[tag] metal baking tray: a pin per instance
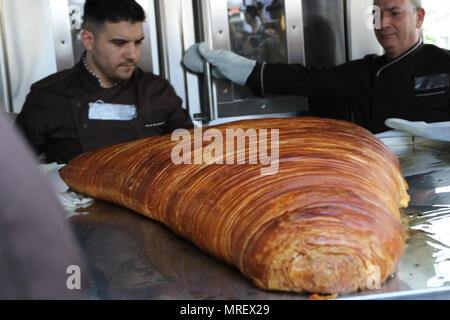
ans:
(132, 257)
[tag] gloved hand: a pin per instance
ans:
(434, 131)
(195, 62)
(224, 63)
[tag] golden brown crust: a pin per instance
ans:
(323, 223)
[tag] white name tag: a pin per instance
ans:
(106, 111)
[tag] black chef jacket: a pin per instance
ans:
(414, 87)
(55, 117)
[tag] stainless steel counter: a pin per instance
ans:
(132, 257)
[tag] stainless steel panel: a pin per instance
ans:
(133, 257)
(325, 39)
(324, 28)
(220, 39)
(208, 108)
(151, 33)
(76, 12)
(172, 23)
(62, 37)
(220, 32)
(361, 36)
(267, 106)
(255, 116)
(192, 85)
(294, 31)
(160, 14)
(172, 27)
(147, 61)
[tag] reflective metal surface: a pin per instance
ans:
(76, 13)
(149, 59)
(424, 270)
(221, 37)
(324, 29)
(133, 257)
(325, 37)
(62, 37)
(173, 25)
(361, 37)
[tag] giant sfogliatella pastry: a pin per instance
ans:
(326, 220)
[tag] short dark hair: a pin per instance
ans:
(97, 12)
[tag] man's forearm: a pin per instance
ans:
(255, 81)
(294, 79)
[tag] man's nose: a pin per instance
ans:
(385, 21)
(131, 52)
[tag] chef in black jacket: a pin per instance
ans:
(411, 81)
(104, 99)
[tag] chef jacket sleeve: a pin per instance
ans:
(296, 79)
(178, 118)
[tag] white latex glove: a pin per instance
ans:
(434, 131)
(224, 63)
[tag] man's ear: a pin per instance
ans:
(420, 17)
(87, 38)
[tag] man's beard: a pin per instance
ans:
(111, 73)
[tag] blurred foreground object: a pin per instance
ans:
(36, 242)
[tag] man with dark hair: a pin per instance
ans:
(411, 81)
(105, 98)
